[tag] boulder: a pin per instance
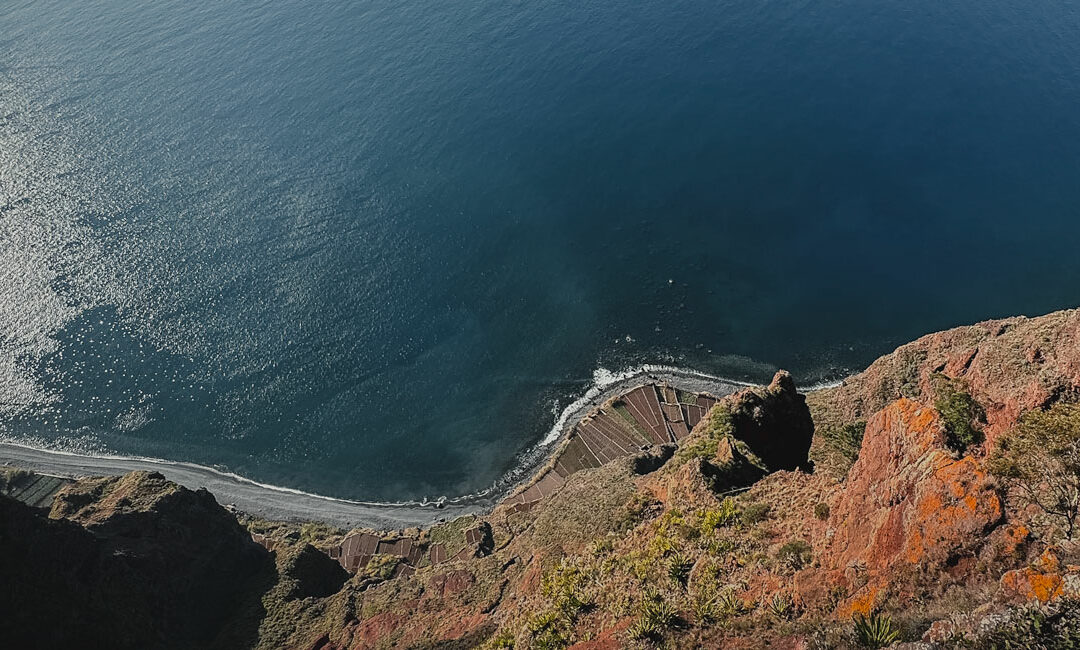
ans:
(907, 500)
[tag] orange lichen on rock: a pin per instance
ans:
(863, 602)
(1043, 581)
(907, 500)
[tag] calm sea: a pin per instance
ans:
(373, 248)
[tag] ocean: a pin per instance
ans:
(374, 249)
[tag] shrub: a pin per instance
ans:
(730, 605)
(502, 641)
(726, 515)
(795, 554)
(755, 513)
(875, 631)
(639, 508)
(601, 546)
(837, 593)
(382, 566)
(548, 631)
(564, 587)
(961, 415)
(1056, 625)
(16, 478)
(706, 610)
(821, 511)
(703, 444)
(1040, 459)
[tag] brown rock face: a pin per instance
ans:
(1011, 366)
(907, 500)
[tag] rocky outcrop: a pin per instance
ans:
(313, 573)
(729, 469)
(774, 422)
(690, 536)
(907, 500)
(1010, 366)
(131, 562)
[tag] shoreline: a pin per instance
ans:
(258, 499)
(289, 504)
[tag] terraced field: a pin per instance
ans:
(651, 414)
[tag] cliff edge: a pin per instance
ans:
(904, 506)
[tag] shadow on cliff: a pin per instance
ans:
(179, 574)
(775, 422)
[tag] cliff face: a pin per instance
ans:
(131, 562)
(774, 522)
(1010, 366)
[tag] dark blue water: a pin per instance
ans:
(372, 249)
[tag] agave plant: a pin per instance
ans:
(875, 631)
(657, 616)
(679, 567)
(782, 606)
(730, 604)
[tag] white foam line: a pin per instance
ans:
(604, 381)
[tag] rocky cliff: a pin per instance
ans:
(886, 510)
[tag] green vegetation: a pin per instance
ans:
(903, 380)
(686, 397)
(755, 513)
(654, 620)
(636, 510)
(679, 567)
(821, 511)
(703, 445)
(452, 534)
(564, 589)
(731, 605)
(961, 415)
(549, 631)
(1040, 460)
(781, 607)
(706, 610)
(842, 445)
(726, 515)
(564, 586)
(1032, 626)
(625, 414)
(13, 479)
(319, 534)
(794, 555)
(875, 631)
(382, 566)
(502, 641)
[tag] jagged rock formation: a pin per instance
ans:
(314, 573)
(1010, 366)
(775, 423)
(907, 500)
